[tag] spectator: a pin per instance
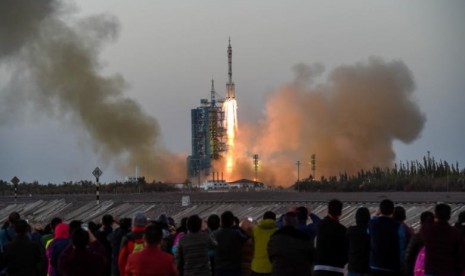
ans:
(102, 236)
(192, 253)
(151, 260)
(331, 248)
(460, 224)
(213, 224)
(85, 257)
(22, 256)
(386, 237)
(56, 247)
(230, 239)
(302, 217)
(290, 250)
(445, 253)
(416, 243)
(48, 237)
(400, 216)
(7, 233)
(115, 239)
(247, 248)
(180, 232)
(261, 234)
(358, 243)
(132, 242)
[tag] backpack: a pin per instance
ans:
(135, 245)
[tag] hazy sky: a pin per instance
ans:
(168, 51)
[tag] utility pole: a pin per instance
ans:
(298, 175)
(255, 163)
(313, 163)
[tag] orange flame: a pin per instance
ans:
(230, 111)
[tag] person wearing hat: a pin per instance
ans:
(132, 242)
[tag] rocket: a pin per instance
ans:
(230, 90)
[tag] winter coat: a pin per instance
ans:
(56, 247)
(445, 249)
(89, 261)
(151, 261)
(261, 235)
(290, 252)
(385, 241)
(358, 243)
(23, 257)
(228, 256)
(127, 247)
(331, 247)
(192, 254)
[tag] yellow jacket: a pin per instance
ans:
(261, 235)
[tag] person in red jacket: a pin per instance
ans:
(151, 261)
(132, 242)
(86, 256)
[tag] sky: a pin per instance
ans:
(168, 52)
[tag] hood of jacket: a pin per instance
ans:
(267, 224)
(61, 231)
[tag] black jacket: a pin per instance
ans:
(331, 247)
(23, 257)
(385, 248)
(290, 252)
(358, 242)
(228, 255)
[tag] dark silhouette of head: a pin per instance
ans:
(153, 234)
(399, 214)
(301, 213)
(21, 227)
(290, 219)
(194, 223)
(426, 217)
(442, 212)
(125, 223)
(335, 207)
(55, 221)
(386, 207)
(362, 216)
(183, 227)
(269, 215)
(107, 220)
(227, 219)
(73, 225)
(213, 222)
(80, 238)
(13, 218)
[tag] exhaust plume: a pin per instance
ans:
(349, 122)
(59, 61)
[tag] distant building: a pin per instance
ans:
(221, 184)
(248, 184)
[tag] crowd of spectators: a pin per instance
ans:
(295, 243)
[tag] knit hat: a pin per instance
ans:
(140, 219)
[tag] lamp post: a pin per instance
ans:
(255, 164)
(298, 175)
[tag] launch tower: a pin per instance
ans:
(207, 135)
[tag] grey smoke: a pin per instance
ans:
(54, 65)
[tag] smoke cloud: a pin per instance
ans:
(54, 65)
(349, 122)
